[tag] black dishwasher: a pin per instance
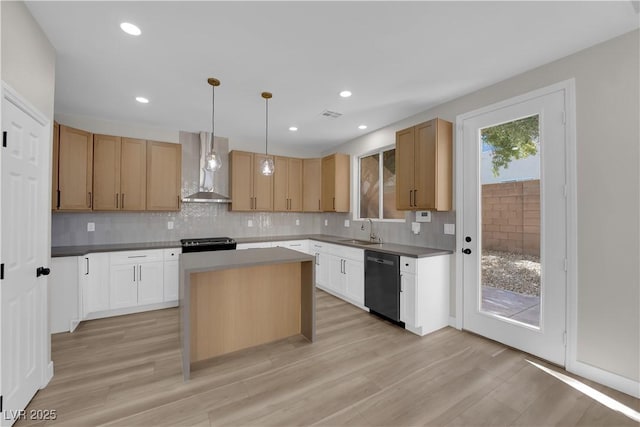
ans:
(382, 284)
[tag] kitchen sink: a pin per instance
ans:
(359, 242)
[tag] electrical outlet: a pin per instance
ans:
(346, 223)
(449, 229)
(297, 222)
(91, 226)
(250, 223)
(326, 222)
(170, 225)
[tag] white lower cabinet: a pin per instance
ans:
(408, 298)
(340, 270)
(150, 282)
(93, 278)
(63, 295)
(424, 296)
(354, 283)
(123, 286)
(137, 278)
(171, 274)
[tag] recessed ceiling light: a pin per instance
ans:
(293, 128)
(345, 93)
(362, 127)
(142, 100)
(130, 29)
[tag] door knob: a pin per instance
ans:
(467, 239)
(42, 271)
(466, 251)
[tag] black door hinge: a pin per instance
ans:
(4, 138)
(1, 278)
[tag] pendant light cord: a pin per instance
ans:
(266, 133)
(213, 111)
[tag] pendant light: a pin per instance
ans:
(213, 162)
(266, 166)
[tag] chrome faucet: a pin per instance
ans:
(372, 235)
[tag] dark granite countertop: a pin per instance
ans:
(392, 248)
(62, 251)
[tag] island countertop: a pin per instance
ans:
(195, 262)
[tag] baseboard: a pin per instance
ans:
(606, 378)
(452, 322)
(130, 310)
(48, 375)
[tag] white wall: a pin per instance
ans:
(608, 156)
(28, 59)
(107, 127)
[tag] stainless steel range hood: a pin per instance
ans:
(206, 193)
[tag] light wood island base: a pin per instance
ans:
(232, 300)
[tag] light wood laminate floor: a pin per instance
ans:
(361, 371)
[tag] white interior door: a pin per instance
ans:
(24, 229)
(514, 225)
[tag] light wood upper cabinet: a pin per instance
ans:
(336, 183)
(287, 184)
(164, 176)
(119, 173)
(311, 185)
(424, 166)
(106, 172)
(133, 174)
(75, 169)
(250, 190)
(54, 166)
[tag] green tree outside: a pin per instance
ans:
(512, 140)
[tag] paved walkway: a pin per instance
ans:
(520, 307)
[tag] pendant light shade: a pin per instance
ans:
(266, 166)
(213, 162)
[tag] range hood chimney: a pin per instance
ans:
(206, 193)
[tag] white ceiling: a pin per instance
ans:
(398, 59)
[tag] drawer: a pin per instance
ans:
(352, 253)
(172, 254)
(130, 257)
(296, 245)
(253, 245)
(315, 246)
(408, 265)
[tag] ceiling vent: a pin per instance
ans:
(331, 114)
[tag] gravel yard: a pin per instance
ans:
(512, 272)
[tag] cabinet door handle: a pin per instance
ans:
(415, 198)
(319, 208)
(134, 273)
(117, 200)
(410, 197)
(90, 200)
(178, 201)
(400, 282)
(122, 201)
(334, 203)
(344, 269)
(87, 273)
(140, 272)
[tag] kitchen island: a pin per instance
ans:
(231, 300)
